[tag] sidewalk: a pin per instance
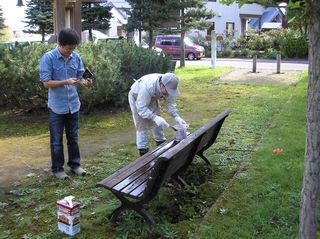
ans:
(290, 70)
(296, 65)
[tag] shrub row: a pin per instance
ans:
(247, 53)
(265, 45)
(113, 64)
(288, 42)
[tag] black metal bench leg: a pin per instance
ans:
(114, 216)
(146, 215)
(181, 181)
(204, 158)
(135, 206)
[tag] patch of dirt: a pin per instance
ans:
(261, 77)
(23, 155)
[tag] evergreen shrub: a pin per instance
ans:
(294, 47)
(113, 64)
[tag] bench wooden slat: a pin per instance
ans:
(125, 172)
(138, 192)
(181, 155)
(135, 184)
(134, 176)
(211, 130)
(134, 179)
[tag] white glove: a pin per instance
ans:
(181, 121)
(161, 122)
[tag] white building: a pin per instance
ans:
(232, 20)
(119, 18)
(229, 20)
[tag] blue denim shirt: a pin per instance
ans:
(62, 99)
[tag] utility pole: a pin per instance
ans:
(213, 49)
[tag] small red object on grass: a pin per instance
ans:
(278, 150)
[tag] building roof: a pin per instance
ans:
(120, 4)
(271, 25)
(94, 1)
(270, 15)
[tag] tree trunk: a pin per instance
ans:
(140, 28)
(43, 34)
(182, 48)
(309, 194)
(90, 35)
(150, 38)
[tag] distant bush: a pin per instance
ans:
(114, 66)
(296, 47)
(267, 45)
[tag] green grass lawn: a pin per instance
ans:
(251, 193)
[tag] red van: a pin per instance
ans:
(170, 45)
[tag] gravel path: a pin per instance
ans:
(261, 77)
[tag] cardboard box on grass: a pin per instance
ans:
(68, 212)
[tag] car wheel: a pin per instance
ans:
(191, 56)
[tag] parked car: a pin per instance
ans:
(144, 44)
(115, 39)
(98, 37)
(170, 44)
(22, 42)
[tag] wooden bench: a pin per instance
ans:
(139, 182)
(211, 131)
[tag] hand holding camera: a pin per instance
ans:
(86, 80)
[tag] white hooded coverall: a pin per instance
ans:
(144, 98)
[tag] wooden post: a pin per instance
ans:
(60, 19)
(254, 65)
(278, 63)
(67, 13)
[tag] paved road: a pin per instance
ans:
(247, 63)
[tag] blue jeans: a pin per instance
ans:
(57, 124)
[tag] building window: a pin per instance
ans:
(120, 31)
(230, 29)
(166, 42)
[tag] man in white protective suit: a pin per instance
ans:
(144, 98)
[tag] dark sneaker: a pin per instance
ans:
(79, 171)
(61, 175)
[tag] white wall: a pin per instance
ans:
(231, 13)
(116, 20)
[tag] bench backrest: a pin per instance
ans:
(211, 131)
(177, 158)
(172, 162)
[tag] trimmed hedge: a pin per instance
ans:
(113, 64)
(267, 45)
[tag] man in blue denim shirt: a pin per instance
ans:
(61, 71)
